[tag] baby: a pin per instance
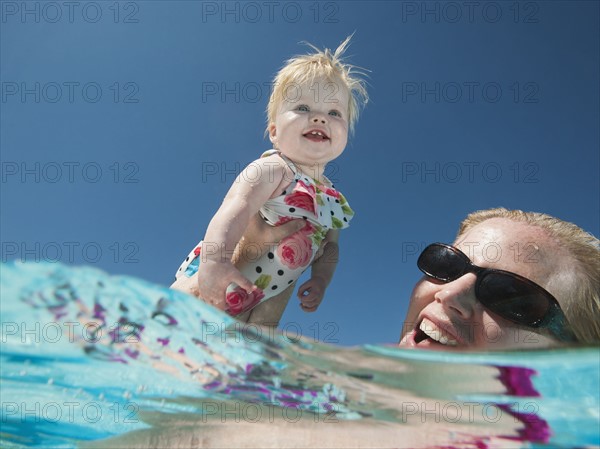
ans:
(314, 102)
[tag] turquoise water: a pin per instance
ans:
(92, 360)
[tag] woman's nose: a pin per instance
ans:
(458, 296)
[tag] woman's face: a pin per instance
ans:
(448, 315)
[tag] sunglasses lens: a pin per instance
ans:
(512, 298)
(506, 294)
(442, 263)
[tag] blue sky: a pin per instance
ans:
(123, 125)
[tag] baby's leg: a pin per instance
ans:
(269, 312)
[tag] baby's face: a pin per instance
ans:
(311, 125)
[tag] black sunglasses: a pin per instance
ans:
(513, 297)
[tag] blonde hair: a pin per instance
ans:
(583, 310)
(303, 69)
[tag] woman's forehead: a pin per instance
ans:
(505, 241)
(521, 248)
(516, 247)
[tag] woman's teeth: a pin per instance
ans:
(435, 333)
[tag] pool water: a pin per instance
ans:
(92, 360)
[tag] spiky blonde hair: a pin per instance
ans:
(304, 69)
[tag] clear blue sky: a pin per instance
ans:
(123, 125)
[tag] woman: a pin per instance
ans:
(547, 293)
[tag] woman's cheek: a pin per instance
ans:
(421, 295)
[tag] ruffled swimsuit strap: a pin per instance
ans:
(297, 173)
(290, 164)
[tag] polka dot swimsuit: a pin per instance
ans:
(322, 207)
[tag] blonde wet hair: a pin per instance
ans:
(583, 307)
(304, 69)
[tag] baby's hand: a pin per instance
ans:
(214, 278)
(311, 294)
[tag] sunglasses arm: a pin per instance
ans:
(561, 329)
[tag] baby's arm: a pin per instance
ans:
(312, 291)
(251, 189)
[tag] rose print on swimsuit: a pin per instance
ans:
(303, 187)
(296, 251)
(302, 197)
(319, 233)
(239, 300)
(328, 191)
(283, 220)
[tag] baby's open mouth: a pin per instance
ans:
(317, 136)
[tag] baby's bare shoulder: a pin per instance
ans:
(271, 169)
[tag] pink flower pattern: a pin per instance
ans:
(296, 250)
(331, 192)
(283, 220)
(239, 300)
(301, 200)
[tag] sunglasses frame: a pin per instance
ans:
(554, 320)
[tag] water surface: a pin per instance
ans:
(92, 360)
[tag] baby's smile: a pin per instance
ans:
(316, 135)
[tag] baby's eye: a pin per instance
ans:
(335, 113)
(303, 108)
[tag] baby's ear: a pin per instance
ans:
(272, 132)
